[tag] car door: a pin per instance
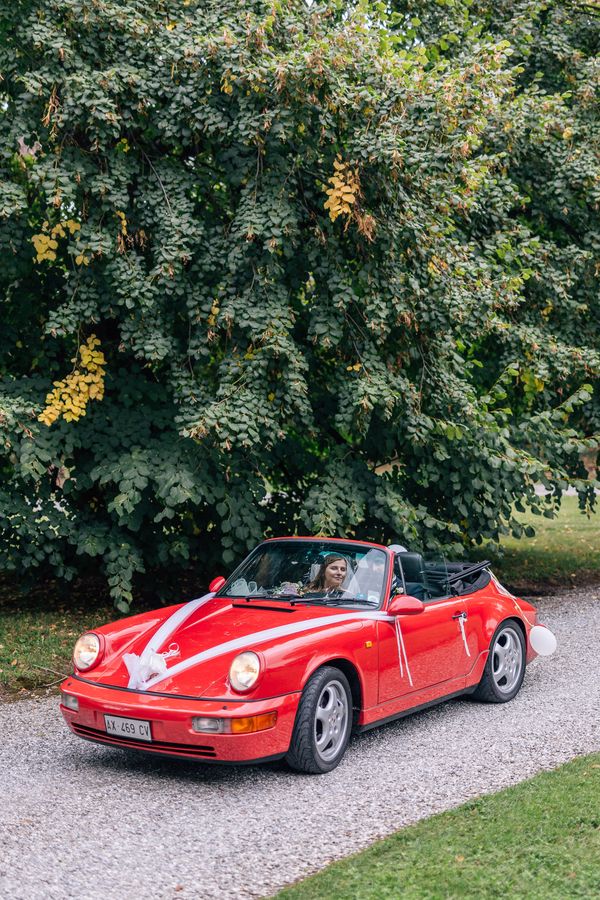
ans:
(423, 650)
(417, 652)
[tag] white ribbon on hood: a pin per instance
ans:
(258, 637)
(150, 667)
(150, 662)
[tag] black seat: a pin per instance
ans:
(413, 570)
(412, 566)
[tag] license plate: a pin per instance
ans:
(131, 728)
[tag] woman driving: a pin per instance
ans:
(330, 577)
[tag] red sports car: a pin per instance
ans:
(308, 639)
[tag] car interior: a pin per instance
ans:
(434, 580)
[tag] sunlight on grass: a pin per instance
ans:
(539, 839)
(565, 551)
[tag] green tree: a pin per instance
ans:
(551, 141)
(270, 267)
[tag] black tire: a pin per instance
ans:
(304, 754)
(490, 689)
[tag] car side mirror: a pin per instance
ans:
(404, 605)
(216, 584)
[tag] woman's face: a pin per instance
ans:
(335, 574)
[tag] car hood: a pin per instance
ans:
(203, 646)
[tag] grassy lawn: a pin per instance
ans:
(37, 633)
(540, 839)
(39, 627)
(36, 646)
(565, 552)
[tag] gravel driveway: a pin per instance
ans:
(83, 821)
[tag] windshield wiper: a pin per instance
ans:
(332, 601)
(340, 601)
(309, 601)
(287, 597)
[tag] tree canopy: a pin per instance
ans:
(277, 267)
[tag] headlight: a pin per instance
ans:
(244, 671)
(87, 651)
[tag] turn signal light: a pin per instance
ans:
(250, 724)
(245, 725)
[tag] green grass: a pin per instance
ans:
(565, 552)
(39, 626)
(36, 643)
(540, 839)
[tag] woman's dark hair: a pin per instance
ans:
(318, 582)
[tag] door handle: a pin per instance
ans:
(460, 615)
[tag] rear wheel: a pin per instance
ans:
(505, 667)
(323, 723)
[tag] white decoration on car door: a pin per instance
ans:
(461, 624)
(402, 652)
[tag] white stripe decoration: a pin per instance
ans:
(500, 588)
(150, 662)
(150, 667)
(461, 625)
(402, 652)
(260, 637)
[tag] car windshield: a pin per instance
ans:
(302, 571)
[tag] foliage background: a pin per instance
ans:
(405, 370)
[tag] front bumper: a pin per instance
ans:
(171, 723)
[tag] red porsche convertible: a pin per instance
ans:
(309, 639)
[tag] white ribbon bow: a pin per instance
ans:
(150, 662)
(142, 668)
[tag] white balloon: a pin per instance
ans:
(542, 640)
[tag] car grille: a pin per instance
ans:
(189, 750)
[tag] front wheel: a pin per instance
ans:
(323, 723)
(505, 666)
